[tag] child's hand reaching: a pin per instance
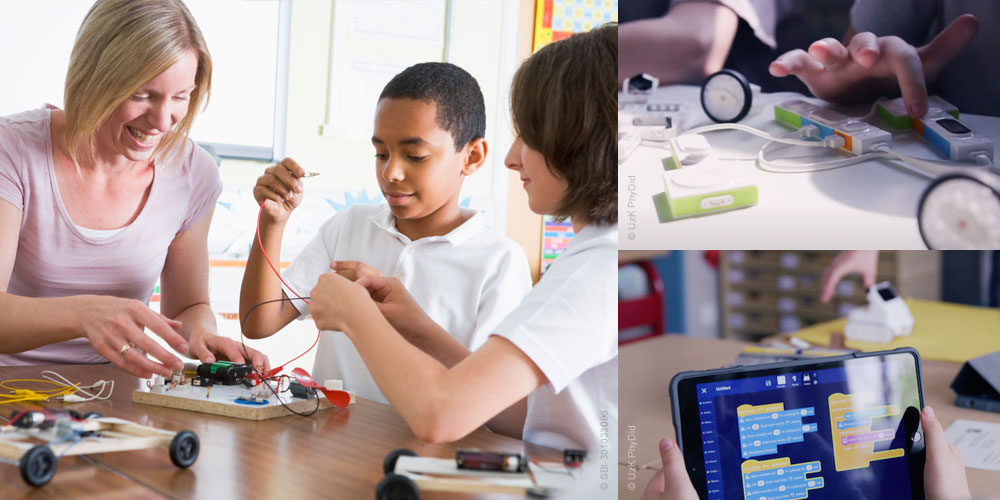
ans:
(336, 300)
(395, 303)
(863, 262)
(279, 190)
(871, 66)
(354, 270)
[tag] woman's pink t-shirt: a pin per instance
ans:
(54, 260)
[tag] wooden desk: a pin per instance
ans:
(332, 454)
(645, 370)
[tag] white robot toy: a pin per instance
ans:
(883, 319)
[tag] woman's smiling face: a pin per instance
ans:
(139, 124)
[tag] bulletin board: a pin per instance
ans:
(558, 19)
(555, 238)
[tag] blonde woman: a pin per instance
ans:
(99, 200)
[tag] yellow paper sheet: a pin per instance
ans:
(941, 331)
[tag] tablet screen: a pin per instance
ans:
(829, 430)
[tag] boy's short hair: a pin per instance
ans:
(460, 106)
(563, 104)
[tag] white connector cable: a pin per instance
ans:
(934, 169)
(761, 133)
(799, 168)
(99, 386)
(927, 168)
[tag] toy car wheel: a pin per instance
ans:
(184, 449)
(38, 465)
(91, 414)
(397, 487)
(389, 464)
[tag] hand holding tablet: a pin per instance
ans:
(840, 427)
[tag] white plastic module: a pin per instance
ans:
(884, 318)
(859, 137)
(696, 183)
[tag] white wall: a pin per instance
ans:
(701, 296)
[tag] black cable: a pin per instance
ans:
(276, 396)
(260, 374)
(247, 315)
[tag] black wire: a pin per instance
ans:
(565, 469)
(276, 396)
(260, 374)
(283, 299)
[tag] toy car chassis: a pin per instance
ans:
(34, 440)
(406, 474)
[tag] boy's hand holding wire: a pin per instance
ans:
(279, 191)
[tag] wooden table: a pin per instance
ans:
(645, 370)
(332, 454)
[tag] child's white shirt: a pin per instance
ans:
(567, 325)
(467, 281)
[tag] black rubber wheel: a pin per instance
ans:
(74, 414)
(91, 414)
(184, 449)
(38, 465)
(389, 464)
(396, 487)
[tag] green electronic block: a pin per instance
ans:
(696, 183)
(893, 112)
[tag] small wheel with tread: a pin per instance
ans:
(389, 464)
(38, 465)
(396, 487)
(184, 449)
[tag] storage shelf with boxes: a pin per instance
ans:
(763, 293)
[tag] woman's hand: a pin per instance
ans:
(209, 347)
(872, 66)
(335, 299)
(116, 326)
(279, 190)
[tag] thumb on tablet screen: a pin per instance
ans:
(672, 482)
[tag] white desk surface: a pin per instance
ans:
(869, 205)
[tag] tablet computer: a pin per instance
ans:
(827, 428)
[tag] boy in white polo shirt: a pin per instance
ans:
(428, 135)
(559, 347)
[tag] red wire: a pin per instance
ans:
(290, 289)
(268, 259)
